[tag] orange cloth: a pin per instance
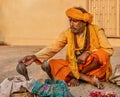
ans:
(60, 68)
(79, 15)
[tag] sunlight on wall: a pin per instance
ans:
(34, 22)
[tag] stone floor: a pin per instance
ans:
(9, 56)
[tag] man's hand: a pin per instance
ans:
(28, 60)
(83, 57)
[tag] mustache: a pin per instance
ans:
(73, 28)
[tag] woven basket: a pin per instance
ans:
(22, 93)
(27, 94)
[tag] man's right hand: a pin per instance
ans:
(28, 60)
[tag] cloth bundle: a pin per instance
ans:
(115, 78)
(14, 85)
(19, 87)
(48, 89)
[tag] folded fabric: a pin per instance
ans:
(13, 84)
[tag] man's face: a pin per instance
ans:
(77, 26)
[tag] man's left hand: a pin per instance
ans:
(83, 57)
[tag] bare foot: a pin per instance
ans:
(73, 82)
(97, 83)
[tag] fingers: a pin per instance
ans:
(80, 62)
(24, 59)
(27, 60)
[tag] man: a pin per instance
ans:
(88, 51)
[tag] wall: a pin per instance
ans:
(107, 15)
(34, 22)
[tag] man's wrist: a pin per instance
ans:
(34, 58)
(89, 52)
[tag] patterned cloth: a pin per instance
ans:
(48, 89)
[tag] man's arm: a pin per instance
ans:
(104, 43)
(45, 53)
(51, 50)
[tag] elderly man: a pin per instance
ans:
(88, 51)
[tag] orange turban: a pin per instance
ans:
(79, 15)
